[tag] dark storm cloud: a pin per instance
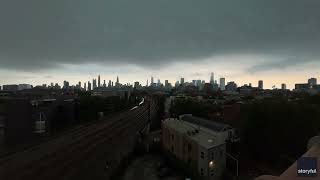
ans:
(37, 34)
(280, 64)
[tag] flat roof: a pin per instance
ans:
(215, 126)
(204, 136)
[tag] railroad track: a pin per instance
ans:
(60, 157)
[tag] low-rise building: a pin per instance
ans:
(199, 147)
(24, 86)
(223, 131)
(10, 87)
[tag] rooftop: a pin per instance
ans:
(203, 136)
(214, 126)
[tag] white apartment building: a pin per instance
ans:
(197, 146)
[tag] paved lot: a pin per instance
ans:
(145, 168)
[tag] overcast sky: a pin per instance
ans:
(43, 41)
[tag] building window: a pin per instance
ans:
(201, 171)
(202, 155)
(212, 156)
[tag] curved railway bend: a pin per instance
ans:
(89, 152)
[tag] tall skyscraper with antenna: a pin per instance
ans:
(117, 82)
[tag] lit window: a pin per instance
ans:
(211, 164)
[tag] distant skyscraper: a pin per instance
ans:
(136, 84)
(198, 83)
(312, 81)
(85, 86)
(147, 82)
(56, 86)
(94, 84)
(65, 84)
(166, 83)
(109, 83)
(222, 84)
(89, 86)
(159, 83)
(104, 83)
(212, 78)
(194, 82)
(79, 84)
(152, 80)
(182, 81)
(283, 86)
(177, 84)
(99, 81)
(260, 84)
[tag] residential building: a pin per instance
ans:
(199, 147)
(224, 131)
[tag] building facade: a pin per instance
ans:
(222, 84)
(198, 147)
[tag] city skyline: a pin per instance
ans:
(243, 41)
(221, 82)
